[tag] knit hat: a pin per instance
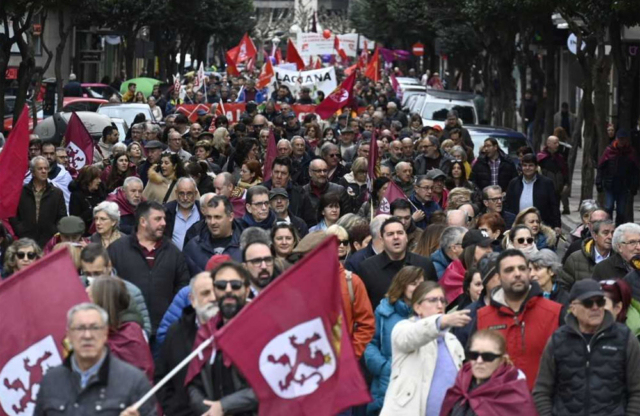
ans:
(217, 260)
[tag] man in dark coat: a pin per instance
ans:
(320, 185)
(534, 190)
(376, 246)
(72, 88)
(626, 244)
(494, 168)
(151, 261)
(378, 271)
(183, 212)
(178, 344)
(554, 166)
(281, 178)
(41, 205)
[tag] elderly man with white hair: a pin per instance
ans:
(393, 114)
(457, 218)
(183, 212)
(284, 148)
(626, 245)
(331, 155)
(404, 177)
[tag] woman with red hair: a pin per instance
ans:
(621, 304)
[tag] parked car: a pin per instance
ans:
(71, 104)
(122, 127)
(52, 129)
(127, 111)
(509, 140)
(410, 91)
(9, 107)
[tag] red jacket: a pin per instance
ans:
(527, 331)
(130, 345)
(502, 394)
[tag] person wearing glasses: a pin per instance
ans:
(488, 384)
(331, 155)
(344, 248)
(520, 238)
(260, 262)
(183, 212)
(589, 365)
(543, 235)
(422, 202)
(258, 210)
(519, 311)
(92, 376)
(20, 254)
(319, 185)
(426, 357)
(232, 394)
(492, 199)
(626, 246)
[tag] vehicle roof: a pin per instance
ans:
(128, 105)
(407, 80)
(453, 95)
(93, 84)
(494, 131)
(69, 100)
(430, 99)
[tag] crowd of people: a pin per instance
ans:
(456, 301)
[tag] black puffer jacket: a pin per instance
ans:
(481, 172)
(599, 377)
(82, 202)
(158, 284)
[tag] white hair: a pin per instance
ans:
(188, 179)
(130, 180)
(205, 197)
(87, 306)
(619, 233)
(32, 162)
(376, 223)
(109, 208)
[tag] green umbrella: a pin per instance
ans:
(144, 85)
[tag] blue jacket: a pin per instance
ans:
(377, 355)
(429, 208)
(199, 249)
(173, 313)
(353, 262)
(440, 262)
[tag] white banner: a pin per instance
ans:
(316, 44)
(318, 79)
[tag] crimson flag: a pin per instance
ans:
(246, 49)
(278, 56)
(339, 98)
(392, 193)
(394, 83)
(266, 75)
(14, 162)
(364, 57)
(230, 58)
(292, 344)
(336, 46)
(373, 68)
(33, 317)
(318, 64)
(271, 154)
(293, 56)
(205, 332)
(79, 143)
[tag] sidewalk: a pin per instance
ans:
(571, 221)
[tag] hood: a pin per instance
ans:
(587, 247)
(400, 307)
(452, 280)
(350, 178)
(549, 234)
(498, 299)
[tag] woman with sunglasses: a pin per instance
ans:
(619, 301)
(284, 238)
(20, 254)
(521, 238)
(426, 358)
(344, 248)
(544, 236)
(545, 267)
(395, 307)
(488, 384)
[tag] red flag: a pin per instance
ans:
(364, 57)
(339, 98)
(310, 62)
(230, 58)
(336, 46)
(14, 162)
(79, 143)
(392, 193)
(251, 65)
(33, 318)
(292, 345)
(271, 154)
(278, 56)
(205, 332)
(373, 68)
(394, 83)
(266, 75)
(246, 49)
(293, 56)
(318, 64)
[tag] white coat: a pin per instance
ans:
(414, 349)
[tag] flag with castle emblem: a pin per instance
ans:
(33, 318)
(392, 193)
(79, 143)
(292, 344)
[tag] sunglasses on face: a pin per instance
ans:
(30, 255)
(588, 303)
(344, 243)
(522, 240)
(486, 356)
(222, 284)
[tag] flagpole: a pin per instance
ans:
(172, 373)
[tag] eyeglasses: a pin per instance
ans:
(258, 261)
(494, 200)
(261, 204)
(186, 194)
(82, 329)
(333, 155)
(522, 240)
(426, 188)
(486, 356)
(632, 243)
(344, 243)
(588, 303)
(222, 284)
(435, 300)
(30, 255)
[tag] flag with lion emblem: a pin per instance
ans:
(292, 345)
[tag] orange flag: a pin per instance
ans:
(293, 56)
(373, 67)
(266, 75)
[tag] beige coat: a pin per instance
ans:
(414, 349)
(157, 187)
